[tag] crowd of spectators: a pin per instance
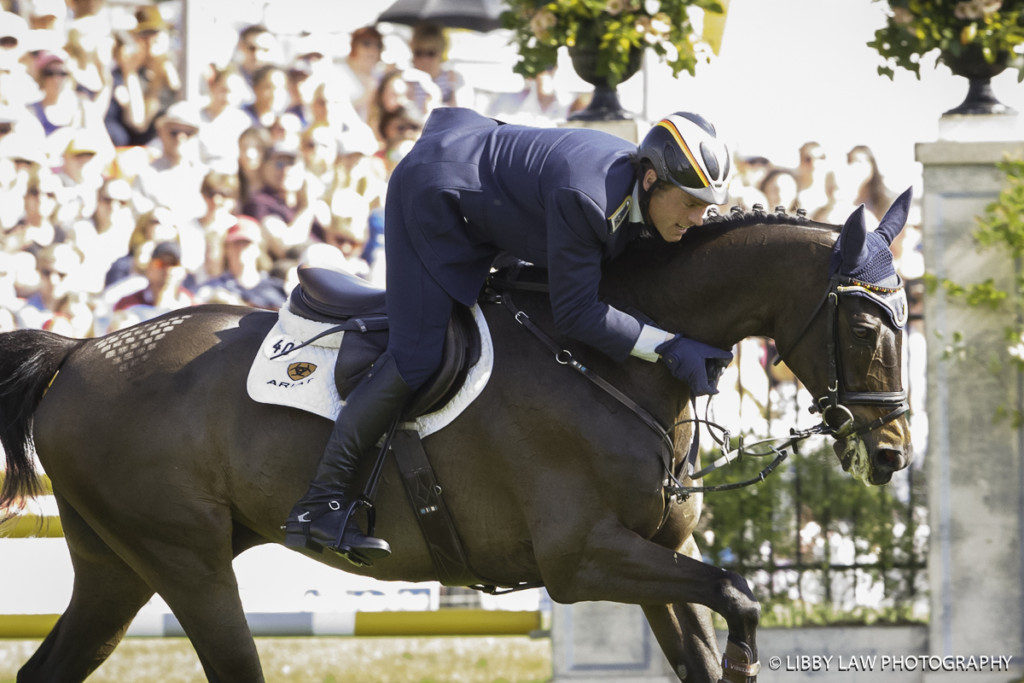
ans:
(122, 199)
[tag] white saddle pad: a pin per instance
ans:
(304, 378)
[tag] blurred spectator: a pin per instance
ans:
(270, 89)
(399, 130)
(396, 91)
(429, 46)
(174, 178)
(319, 148)
(360, 169)
(815, 181)
(298, 91)
(362, 70)
(80, 175)
(780, 188)
(537, 104)
(253, 144)
(59, 111)
(92, 81)
(165, 277)
(104, 236)
(281, 206)
(220, 193)
(47, 15)
(36, 230)
(257, 47)
(349, 231)
(151, 227)
(144, 79)
(221, 121)
(745, 188)
(17, 86)
(56, 265)
(862, 180)
(331, 107)
(244, 279)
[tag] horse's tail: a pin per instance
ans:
(29, 359)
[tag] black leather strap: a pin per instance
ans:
(425, 494)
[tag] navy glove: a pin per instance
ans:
(697, 364)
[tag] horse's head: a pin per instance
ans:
(855, 371)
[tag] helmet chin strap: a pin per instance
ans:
(644, 201)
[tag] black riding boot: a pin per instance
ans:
(317, 517)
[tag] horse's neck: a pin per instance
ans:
(733, 283)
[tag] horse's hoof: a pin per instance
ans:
(736, 664)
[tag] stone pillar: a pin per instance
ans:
(602, 642)
(975, 465)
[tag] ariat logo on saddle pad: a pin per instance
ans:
(301, 370)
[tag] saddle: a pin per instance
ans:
(329, 296)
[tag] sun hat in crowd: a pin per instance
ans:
(84, 141)
(148, 18)
(245, 230)
(167, 251)
(183, 113)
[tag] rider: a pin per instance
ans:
(570, 199)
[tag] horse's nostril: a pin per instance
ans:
(889, 458)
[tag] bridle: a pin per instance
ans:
(837, 419)
(835, 415)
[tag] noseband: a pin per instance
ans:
(835, 414)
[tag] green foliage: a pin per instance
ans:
(957, 29)
(617, 27)
(793, 518)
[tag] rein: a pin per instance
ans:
(831, 406)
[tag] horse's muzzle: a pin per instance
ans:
(887, 460)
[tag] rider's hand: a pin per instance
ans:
(697, 364)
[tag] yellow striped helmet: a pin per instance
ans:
(684, 150)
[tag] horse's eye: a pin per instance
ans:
(862, 330)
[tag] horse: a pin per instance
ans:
(163, 470)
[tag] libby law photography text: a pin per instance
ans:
(825, 663)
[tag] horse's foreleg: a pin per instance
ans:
(106, 595)
(618, 565)
(686, 634)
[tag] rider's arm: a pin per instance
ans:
(574, 223)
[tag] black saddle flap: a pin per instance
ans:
(333, 294)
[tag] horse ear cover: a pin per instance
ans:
(896, 217)
(852, 241)
(864, 255)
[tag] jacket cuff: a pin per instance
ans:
(650, 338)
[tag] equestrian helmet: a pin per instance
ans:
(684, 150)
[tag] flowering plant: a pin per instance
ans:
(616, 28)
(961, 30)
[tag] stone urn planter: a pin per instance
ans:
(605, 105)
(978, 71)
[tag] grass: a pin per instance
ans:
(325, 660)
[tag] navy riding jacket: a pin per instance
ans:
(555, 197)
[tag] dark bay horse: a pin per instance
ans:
(163, 470)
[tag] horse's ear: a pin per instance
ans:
(896, 217)
(852, 240)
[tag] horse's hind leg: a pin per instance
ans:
(686, 634)
(194, 576)
(106, 595)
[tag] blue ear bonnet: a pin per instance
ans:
(865, 258)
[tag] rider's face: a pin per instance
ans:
(672, 211)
